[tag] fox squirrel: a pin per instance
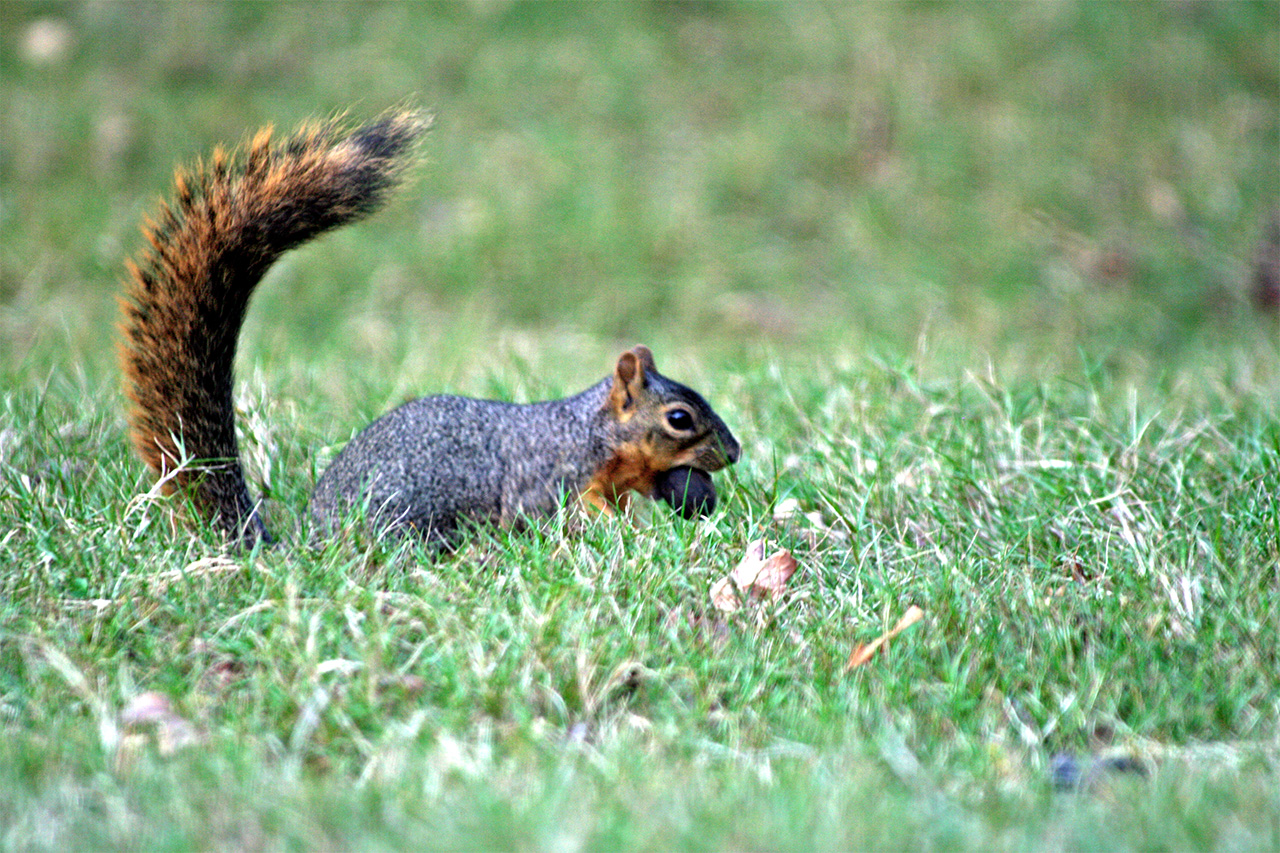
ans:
(426, 466)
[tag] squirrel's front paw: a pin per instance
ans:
(686, 490)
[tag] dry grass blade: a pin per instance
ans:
(864, 652)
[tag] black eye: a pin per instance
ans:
(680, 420)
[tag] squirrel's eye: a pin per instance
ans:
(680, 419)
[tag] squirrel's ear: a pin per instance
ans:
(628, 377)
(645, 355)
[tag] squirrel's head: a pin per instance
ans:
(661, 425)
(669, 423)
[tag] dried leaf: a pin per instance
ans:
(153, 711)
(756, 577)
(175, 733)
(864, 652)
(787, 509)
(127, 751)
(145, 709)
(724, 596)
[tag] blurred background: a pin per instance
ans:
(1032, 185)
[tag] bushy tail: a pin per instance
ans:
(186, 295)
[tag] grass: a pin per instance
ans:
(970, 283)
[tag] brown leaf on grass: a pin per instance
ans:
(146, 709)
(864, 652)
(756, 577)
(153, 711)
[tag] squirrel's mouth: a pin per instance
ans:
(716, 454)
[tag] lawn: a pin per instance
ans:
(974, 284)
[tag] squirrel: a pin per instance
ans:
(430, 466)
